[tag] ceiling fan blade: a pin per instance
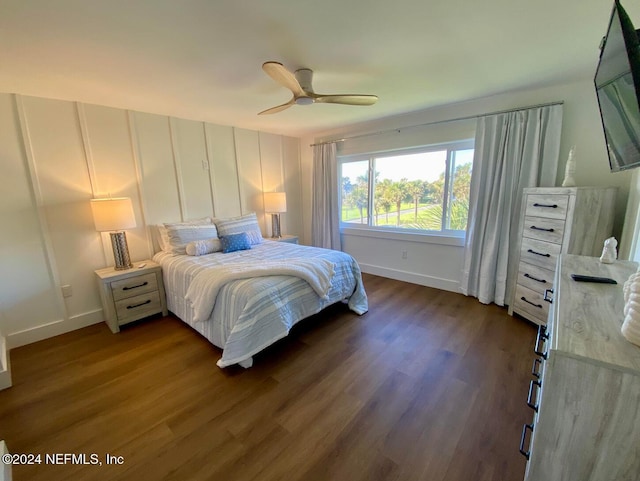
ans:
(277, 72)
(279, 108)
(346, 99)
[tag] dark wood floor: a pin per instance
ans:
(429, 385)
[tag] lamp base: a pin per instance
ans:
(275, 226)
(120, 251)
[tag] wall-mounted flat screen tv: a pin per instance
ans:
(617, 82)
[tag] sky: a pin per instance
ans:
(423, 166)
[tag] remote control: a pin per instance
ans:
(599, 280)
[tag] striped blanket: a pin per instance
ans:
(249, 314)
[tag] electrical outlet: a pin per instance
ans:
(205, 165)
(66, 290)
(404, 254)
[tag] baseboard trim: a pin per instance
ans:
(52, 329)
(420, 279)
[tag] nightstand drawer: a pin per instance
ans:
(138, 307)
(134, 286)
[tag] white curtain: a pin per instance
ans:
(513, 150)
(325, 221)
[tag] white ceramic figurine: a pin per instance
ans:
(609, 252)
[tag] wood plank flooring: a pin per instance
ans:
(428, 385)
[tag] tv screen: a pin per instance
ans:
(617, 84)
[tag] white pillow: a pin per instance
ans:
(245, 223)
(181, 235)
(202, 247)
(163, 236)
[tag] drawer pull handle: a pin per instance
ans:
(538, 253)
(541, 339)
(148, 301)
(542, 332)
(541, 228)
(532, 303)
(547, 295)
(537, 365)
(550, 206)
(128, 288)
(543, 281)
(527, 453)
(530, 403)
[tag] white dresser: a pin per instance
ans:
(586, 388)
(554, 220)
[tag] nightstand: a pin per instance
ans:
(132, 294)
(291, 239)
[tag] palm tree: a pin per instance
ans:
(416, 189)
(398, 194)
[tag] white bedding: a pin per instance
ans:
(249, 314)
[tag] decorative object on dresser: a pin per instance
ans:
(609, 251)
(631, 325)
(570, 169)
(555, 220)
(131, 295)
(586, 391)
(113, 216)
(275, 203)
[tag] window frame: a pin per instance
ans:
(442, 236)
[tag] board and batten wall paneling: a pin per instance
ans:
(190, 153)
(223, 170)
(157, 171)
(272, 168)
(250, 173)
(113, 173)
(60, 154)
(28, 294)
(292, 221)
(64, 186)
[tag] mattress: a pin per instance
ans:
(251, 314)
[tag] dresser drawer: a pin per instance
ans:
(137, 307)
(548, 230)
(534, 277)
(531, 304)
(539, 253)
(134, 286)
(549, 206)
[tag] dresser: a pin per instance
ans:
(131, 294)
(554, 220)
(585, 387)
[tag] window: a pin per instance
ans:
(423, 189)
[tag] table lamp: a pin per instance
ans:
(275, 203)
(113, 215)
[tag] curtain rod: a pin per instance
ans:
(468, 117)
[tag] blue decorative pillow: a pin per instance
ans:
(235, 242)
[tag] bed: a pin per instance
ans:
(251, 310)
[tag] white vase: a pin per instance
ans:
(570, 169)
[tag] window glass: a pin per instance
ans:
(424, 189)
(355, 192)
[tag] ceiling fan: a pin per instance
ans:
(300, 85)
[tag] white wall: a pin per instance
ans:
(57, 155)
(440, 265)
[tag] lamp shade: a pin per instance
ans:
(275, 202)
(113, 214)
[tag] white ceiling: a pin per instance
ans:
(201, 59)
